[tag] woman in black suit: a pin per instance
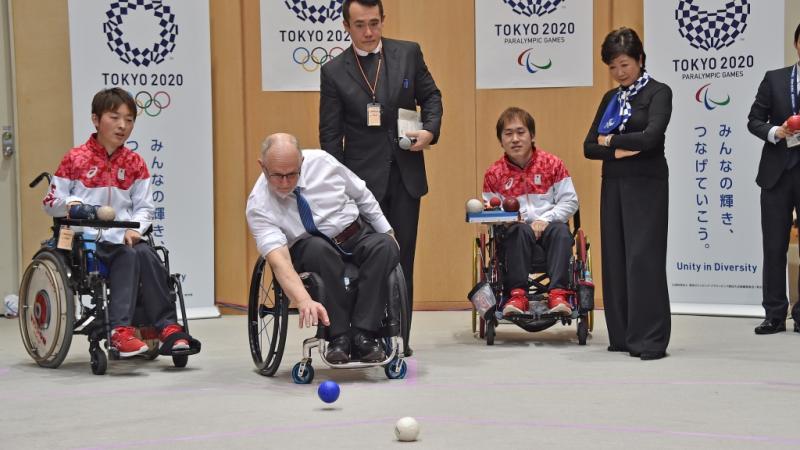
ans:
(627, 134)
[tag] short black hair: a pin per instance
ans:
(622, 41)
(367, 3)
(111, 99)
(512, 113)
(796, 34)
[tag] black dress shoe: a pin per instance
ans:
(367, 347)
(769, 326)
(339, 350)
(649, 356)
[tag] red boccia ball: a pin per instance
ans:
(494, 202)
(793, 122)
(511, 204)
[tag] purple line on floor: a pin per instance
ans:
(451, 420)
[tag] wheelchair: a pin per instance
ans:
(269, 309)
(64, 292)
(489, 263)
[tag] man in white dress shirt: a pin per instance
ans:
(348, 225)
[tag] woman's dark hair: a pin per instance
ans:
(515, 113)
(623, 41)
(109, 100)
(367, 3)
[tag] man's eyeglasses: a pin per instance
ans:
(284, 176)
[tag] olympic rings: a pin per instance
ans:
(154, 104)
(314, 59)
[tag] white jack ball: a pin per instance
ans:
(406, 429)
(106, 213)
(474, 205)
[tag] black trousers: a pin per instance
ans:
(776, 222)
(402, 212)
(375, 255)
(136, 277)
(633, 228)
(519, 244)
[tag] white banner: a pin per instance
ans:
(159, 51)
(713, 54)
(297, 38)
(533, 43)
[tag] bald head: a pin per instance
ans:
(279, 144)
(280, 161)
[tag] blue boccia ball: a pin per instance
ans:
(328, 391)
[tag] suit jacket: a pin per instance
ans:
(368, 151)
(771, 108)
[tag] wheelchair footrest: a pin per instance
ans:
(166, 346)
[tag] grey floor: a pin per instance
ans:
(720, 387)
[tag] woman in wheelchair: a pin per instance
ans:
(103, 171)
(309, 213)
(539, 181)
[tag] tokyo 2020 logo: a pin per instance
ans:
(319, 11)
(712, 29)
(164, 41)
(532, 8)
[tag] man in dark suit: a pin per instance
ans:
(360, 93)
(779, 179)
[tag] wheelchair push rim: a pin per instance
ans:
(47, 310)
(267, 317)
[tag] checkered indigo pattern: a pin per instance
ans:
(530, 8)
(625, 97)
(314, 13)
(134, 55)
(712, 29)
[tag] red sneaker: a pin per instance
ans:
(123, 339)
(517, 304)
(180, 344)
(557, 302)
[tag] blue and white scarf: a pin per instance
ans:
(618, 110)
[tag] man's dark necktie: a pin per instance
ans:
(307, 218)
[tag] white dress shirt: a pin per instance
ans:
(335, 194)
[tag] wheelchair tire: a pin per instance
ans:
(583, 331)
(47, 309)
(582, 247)
(267, 317)
(396, 369)
(490, 332)
(99, 361)
(180, 361)
(306, 377)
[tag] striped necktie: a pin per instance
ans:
(307, 218)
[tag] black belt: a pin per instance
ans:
(347, 233)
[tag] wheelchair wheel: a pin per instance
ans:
(99, 361)
(583, 330)
(582, 247)
(491, 325)
(180, 360)
(47, 309)
(303, 378)
(396, 369)
(267, 317)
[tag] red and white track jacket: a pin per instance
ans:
(544, 188)
(87, 174)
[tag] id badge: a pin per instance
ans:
(373, 114)
(793, 140)
(65, 236)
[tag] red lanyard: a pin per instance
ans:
(374, 86)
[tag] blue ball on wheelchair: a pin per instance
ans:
(328, 391)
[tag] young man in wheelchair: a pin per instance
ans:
(103, 171)
(547, 199)
(309, 213)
